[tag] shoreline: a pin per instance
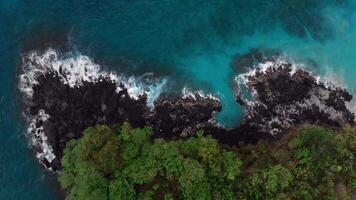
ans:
(67, 95)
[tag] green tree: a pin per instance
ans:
(121, 162)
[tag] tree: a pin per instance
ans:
(122, 162)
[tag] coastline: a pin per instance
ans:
(70, 94)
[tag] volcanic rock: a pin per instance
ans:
(284, 97)
(61, 102)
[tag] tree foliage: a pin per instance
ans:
(125, 163)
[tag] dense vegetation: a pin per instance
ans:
(124, 163)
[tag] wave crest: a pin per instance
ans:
(74, 70)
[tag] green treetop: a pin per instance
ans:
(126, 163)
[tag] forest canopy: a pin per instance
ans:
(121, 162)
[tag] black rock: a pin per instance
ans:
(282, 99)
(175, 116)
(71, 110)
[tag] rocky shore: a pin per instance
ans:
(283, 96)
(60, 102)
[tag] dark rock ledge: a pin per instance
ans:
(285, 96)
(282, 99)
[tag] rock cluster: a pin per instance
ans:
(177, 116)
(282, 97)
(72, 109)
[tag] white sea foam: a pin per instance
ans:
(268, 66)
(72, 70)
(187, 93)
(330, 81)
(154, 91)
(76, 69)
(39, 138)
(285, 112)
(333, 79)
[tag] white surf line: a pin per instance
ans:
(187, 93)
(38, 138)
(267, 67)
(73, 71)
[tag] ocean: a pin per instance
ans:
(192, 44)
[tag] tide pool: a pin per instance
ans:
(192, 43)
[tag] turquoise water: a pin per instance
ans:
(190, 42)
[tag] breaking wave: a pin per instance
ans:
(73, 71)
(317, 97)
(39, 138)
(262, 112)
(187, 93)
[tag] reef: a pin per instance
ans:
(63, 96)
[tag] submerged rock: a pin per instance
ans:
(242, 62)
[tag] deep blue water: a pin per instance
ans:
(190, 42)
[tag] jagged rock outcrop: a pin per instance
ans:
(65, 96)
(71, 110)
(179, 116)
(283, 96)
